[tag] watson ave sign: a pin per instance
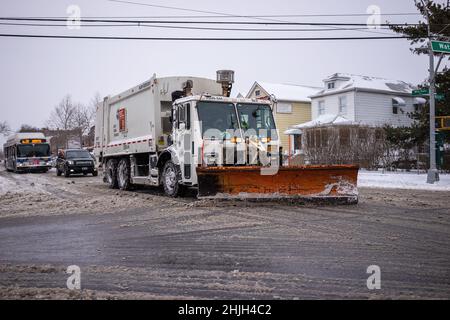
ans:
(440, 46)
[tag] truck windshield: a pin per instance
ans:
(78, 154)
(217, 116)
(33, 150)
(257, 117)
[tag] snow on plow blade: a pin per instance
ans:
(334, 183)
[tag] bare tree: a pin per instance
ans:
(62, 117)
(28, 128)
(4, 128)
(96, 99)
(84, 116)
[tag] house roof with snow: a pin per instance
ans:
(323, 120)
(284, 92)
(349, 82)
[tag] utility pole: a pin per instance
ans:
(433, 175)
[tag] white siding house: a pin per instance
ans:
(365, 100)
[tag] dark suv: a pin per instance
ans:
(72, 161)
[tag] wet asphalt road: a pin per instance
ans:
(189, 249)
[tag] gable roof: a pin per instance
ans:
(286, 92)
(349, 82)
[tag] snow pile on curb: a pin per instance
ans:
(401, 180)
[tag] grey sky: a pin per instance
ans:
(37, 73)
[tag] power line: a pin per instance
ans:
(65, 25)
(185, 9)
(211, 22)
(222, 14)
(184, 27)
(197, 39)
(228, 16)
(219, 13)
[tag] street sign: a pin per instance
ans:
(426, 92)
(440, 46)
(439, 97)
(421, 92)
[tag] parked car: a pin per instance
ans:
(75, 161)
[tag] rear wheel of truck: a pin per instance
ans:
(123, 174)
(170, 176)
(111, 173)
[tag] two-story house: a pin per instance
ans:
(366, 100)
(292, 104)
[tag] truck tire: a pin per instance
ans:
(123, 174)
(111, 173)
(171, 176)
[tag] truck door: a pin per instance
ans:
(183, 140)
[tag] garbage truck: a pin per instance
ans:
(187, 132)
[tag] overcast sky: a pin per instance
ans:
(37, 73)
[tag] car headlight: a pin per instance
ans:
(70, 162)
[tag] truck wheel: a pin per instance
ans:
(123, 174)
(170, 177)
(111, 173)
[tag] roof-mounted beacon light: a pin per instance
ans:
(226, 78)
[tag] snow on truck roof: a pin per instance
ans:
(208, 97)
(16, 137)
(155, 81)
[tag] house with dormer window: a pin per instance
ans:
(365, 100)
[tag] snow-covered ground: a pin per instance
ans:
(43, 183)
(401, 180)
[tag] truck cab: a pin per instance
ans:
(217, 131)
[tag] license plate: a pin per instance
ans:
(84, 168)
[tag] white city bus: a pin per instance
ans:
(27, 152)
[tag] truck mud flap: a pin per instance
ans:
(336, 183)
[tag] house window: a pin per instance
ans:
(297, 142)
(331, 85)
(321, 108)
(284, 108)
(395, 109)
(257, 93)
(396, 104)
(343, 105)
(419, 103)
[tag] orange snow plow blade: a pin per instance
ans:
(334, 183)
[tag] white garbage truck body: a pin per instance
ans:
(138, 120)
(182, 132)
